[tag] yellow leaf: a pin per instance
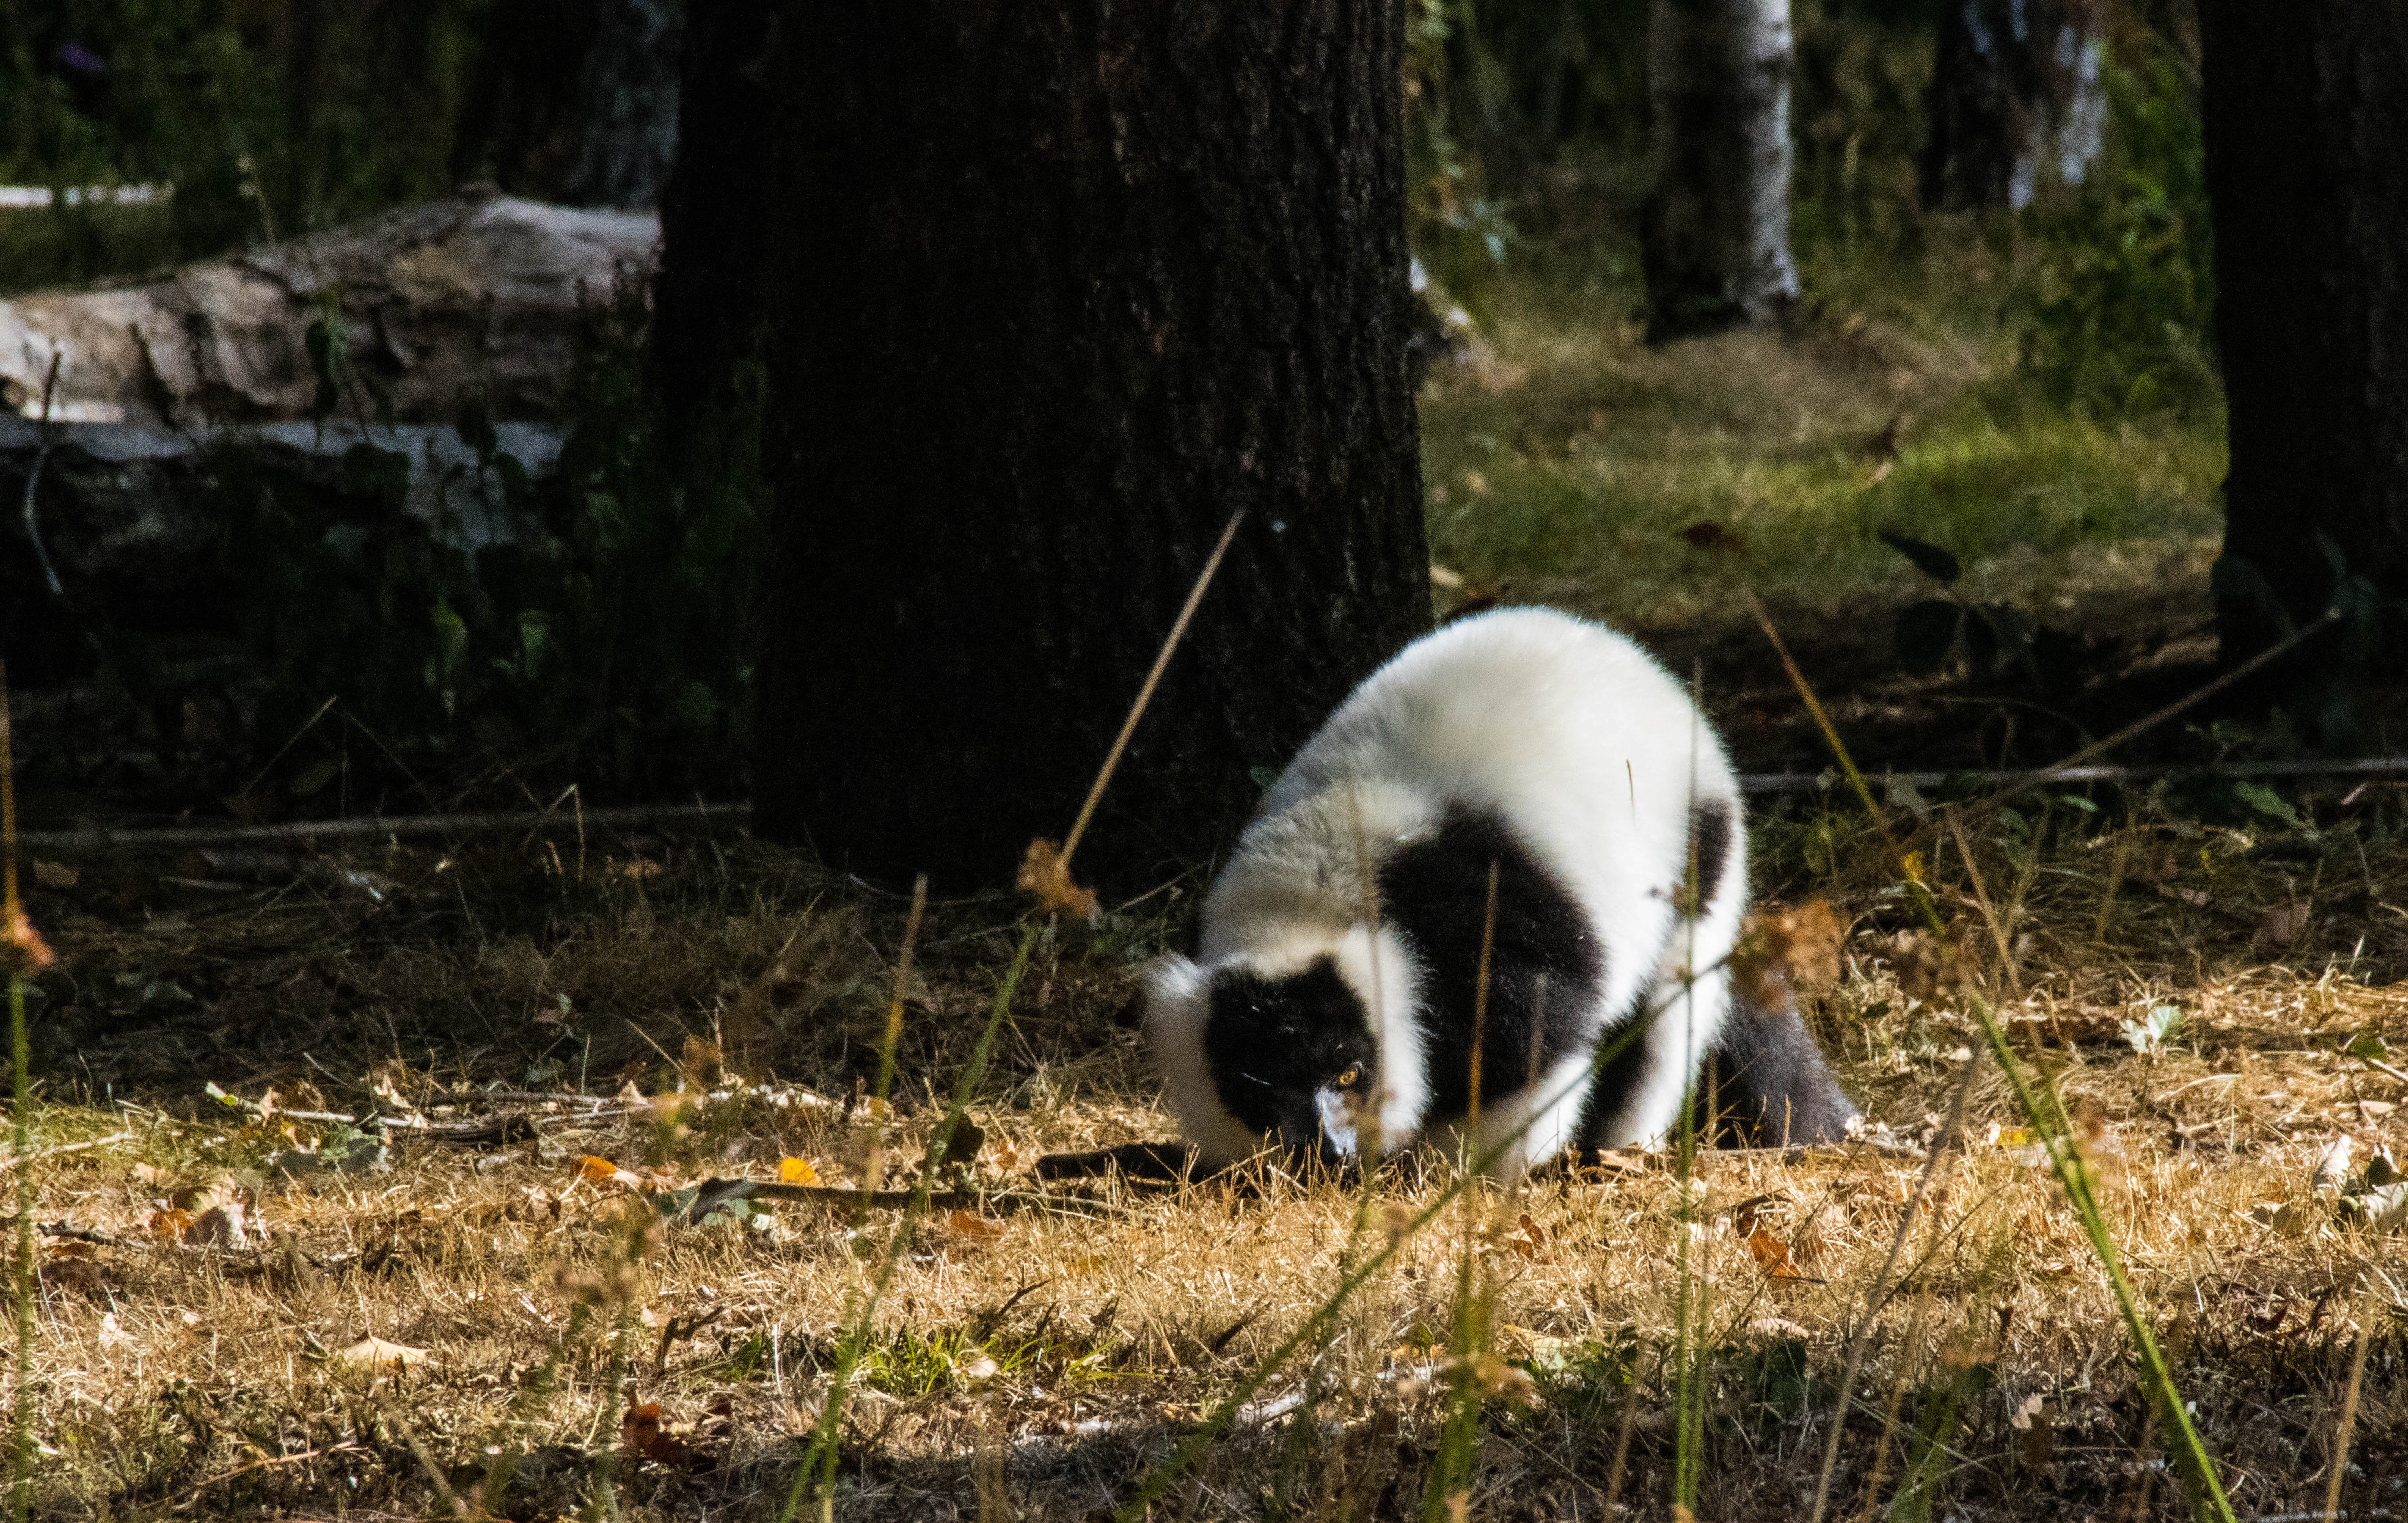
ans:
(1774, 1255)
(1045, 877)
(596, 1168)
(376, 1354)
(796, 1171)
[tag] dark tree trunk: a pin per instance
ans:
(2306, 117)
(2018, 99)
(627, 107)
(715, 209)
(1713, 235)
(1060, 289)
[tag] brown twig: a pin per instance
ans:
(2340, 1464)
(65, 1147)
(1145, 693)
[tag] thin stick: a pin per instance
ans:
(1622, 1440)
(873, 1167)
(1480, 999)
(2152, 720)
(65, 1147)
(1907, 1353)
(2340, 1465)
(1145, 694)
(34, 480)
(1982, 895)
(2116, 863)
(1857, 1344)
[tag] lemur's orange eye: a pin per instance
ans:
(1352, 1076)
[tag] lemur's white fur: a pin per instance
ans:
(1593, 754)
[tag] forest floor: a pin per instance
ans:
(249, 1307)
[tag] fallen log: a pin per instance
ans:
(477, 290)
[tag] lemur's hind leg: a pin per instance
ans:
(1772, 1085)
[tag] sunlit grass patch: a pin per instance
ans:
(1572, 472)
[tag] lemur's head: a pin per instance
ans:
(1290, 1048)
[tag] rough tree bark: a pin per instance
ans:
(2017, 98)
(2306, 118)
(627, 107)
(1713, 235)
(714, 212)
(1063, 288)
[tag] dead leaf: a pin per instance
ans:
(1446, 577)
(1789, 947)
(700, 1062)
(22, 950)
(167, 1222)
(647, 1432)
(969, 1224)
(2280, 925)
(113, 1335)
(2188, 895)
(2032, 1419)
(1708, 535)
(2331, 1168)
(74, 1275)
(376, 1355)
(796, 1171)
(1774, 1255)
(1045, 877)
(2289, 1220)
(641, 868)
(1529, 1239)
(603, 1171)
(56, 875)
(219, 1227)
(1923, 965)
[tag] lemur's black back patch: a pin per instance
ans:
(1710, 834)
(1435, 894)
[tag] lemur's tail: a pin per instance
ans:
(1772, 1085)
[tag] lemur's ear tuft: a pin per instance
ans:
(1175, 995)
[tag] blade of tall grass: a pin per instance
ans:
(17, 945)
(1875, 1297)
(1450, 1474)
(2048, 1120)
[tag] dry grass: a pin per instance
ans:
(210, 1381)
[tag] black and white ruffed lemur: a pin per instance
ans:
(1331, 1006)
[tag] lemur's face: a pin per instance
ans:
(1293, 1057)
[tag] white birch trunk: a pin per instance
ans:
(1714, 234)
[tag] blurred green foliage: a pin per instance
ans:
(290, 113)
(594, 627)
(2117, 305)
